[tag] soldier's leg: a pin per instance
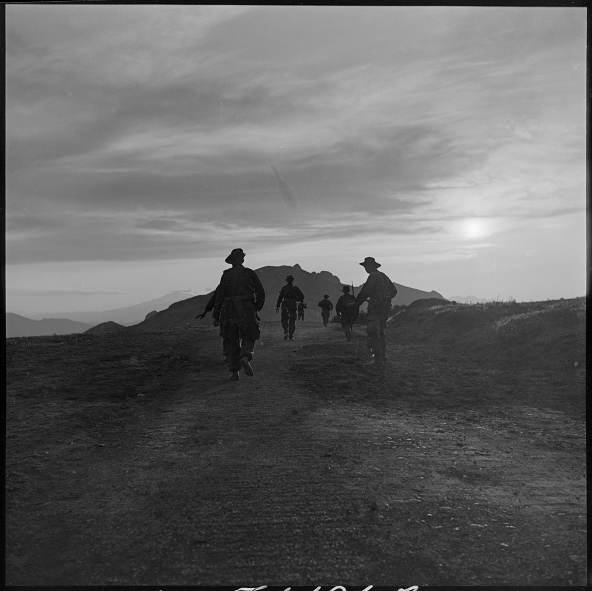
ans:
(249, 334)
(233, 347)
(382, 335)
(373, 335)
(285, 322)
(247, 348)
(346, 323)
(291, 323)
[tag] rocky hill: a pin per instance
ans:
(313, 285)
(105, 327)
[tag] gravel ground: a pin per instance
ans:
(133, 460)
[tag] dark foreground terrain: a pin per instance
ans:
(132, 460)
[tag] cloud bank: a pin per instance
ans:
(150, 132)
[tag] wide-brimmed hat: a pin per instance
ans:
(290, 278)
(345, 289)
(325, 296)
(236, 255)
(370, 261)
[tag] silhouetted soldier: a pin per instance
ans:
(379, 290)
(346, 311)
(301, 308)
(326, 307)
(208, 308)
(240, 296)
(289, 297)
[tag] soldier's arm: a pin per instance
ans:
(280, 298)
(365, 292)
(209, 305)
(394, 289)
(211, 302)
(220, 294)
(259, 292)
(300, 297)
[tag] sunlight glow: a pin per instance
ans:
(473, 229)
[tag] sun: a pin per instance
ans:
(473, 229)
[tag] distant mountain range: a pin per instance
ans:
(126, 316)
(176, 310)
(19, 326)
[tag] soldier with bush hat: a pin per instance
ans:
(379, 290)
(326, 306)
(346, 311)
(239, 297)
(288, 299)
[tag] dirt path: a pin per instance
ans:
(133, 460)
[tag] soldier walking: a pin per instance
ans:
(379, 290)
(239, 297)
(326, 307)
(301, 308)
(346, 311)
(288, 299)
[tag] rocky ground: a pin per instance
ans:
(133, 460)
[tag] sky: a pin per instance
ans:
(145, 142)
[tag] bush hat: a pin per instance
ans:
(290, 278)
(325, 296)
(345, 289)
(236, 255)
(370, 261)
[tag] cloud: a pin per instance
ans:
(139, 133)
(57, 292)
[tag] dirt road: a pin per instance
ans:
(133, 460)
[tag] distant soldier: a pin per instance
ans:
(301, 308)
(209, 307)
(288, 299)
(379, 290)
(346, 311)
(326, 307)
(239, 297)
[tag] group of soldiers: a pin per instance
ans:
(240, 296)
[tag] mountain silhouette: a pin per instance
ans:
(313, 285)
(20, 326)
(127, 315)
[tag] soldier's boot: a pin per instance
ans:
(291, 337)
(286, 337)
(348, 336)
(377, 360)
(244, 361)
(235, 376)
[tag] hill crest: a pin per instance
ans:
(313, 284)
